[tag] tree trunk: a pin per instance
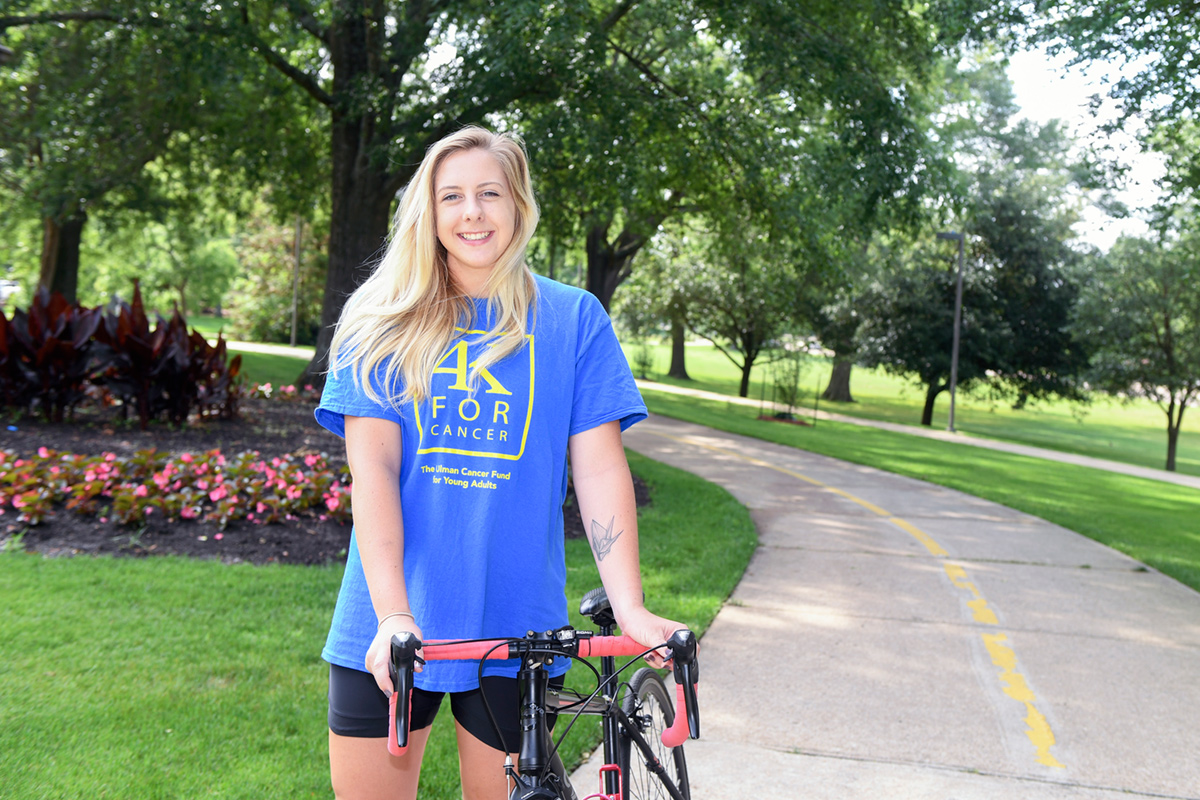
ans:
(358, 228)
(1174, 422)
(361, 197)
(744, 386)
(931, 393)
(60, 255)
(678, 368)
(609, 263)
(838, 389)
(183, 312)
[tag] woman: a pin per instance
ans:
(461, 382)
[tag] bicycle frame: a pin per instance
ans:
(541, 775)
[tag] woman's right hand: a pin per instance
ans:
(380, 652)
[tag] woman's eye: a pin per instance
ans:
(449, 198)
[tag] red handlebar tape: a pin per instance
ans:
(677, 734)
(598, 646)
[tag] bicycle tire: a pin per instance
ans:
(648, 705)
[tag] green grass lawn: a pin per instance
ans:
(1134, 434)
(209, 325)
(277, 370)
(172, 678)
(1155, 522)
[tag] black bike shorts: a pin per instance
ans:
(357, 708)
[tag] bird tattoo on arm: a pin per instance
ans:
(603, 538)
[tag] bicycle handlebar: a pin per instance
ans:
(566, 641)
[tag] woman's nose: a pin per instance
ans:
(473, 209)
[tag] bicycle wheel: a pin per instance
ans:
(649, 707)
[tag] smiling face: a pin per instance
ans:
(476, 216)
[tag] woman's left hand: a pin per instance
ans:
(650, 629)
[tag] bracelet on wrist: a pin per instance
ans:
(396, 614)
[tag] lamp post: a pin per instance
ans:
(957, 237)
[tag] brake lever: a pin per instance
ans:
(400, 668)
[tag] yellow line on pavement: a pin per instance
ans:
(921, 536)
(1003, 656)
(1015, 687)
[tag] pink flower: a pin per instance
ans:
(141, 491)
(270, 473)
(110, 456)
(149, 510)
(308, 387)
(102, 519)
(218, 536)
(188, 512)
(89, 476)
(203, 468)
(186, 458)
(220, 460)
(175, 487)
(311, 460)
(202, 485)
(298, 477)
(294, 492)
(217, 493)
(261, 507)
(55, 470)
(161, 479)
(43, 452)
(332, 503)
(18, 502)
(275, 462)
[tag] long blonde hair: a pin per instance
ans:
(409, 308)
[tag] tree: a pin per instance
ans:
(661, 293)
(748, 292)
(702, 105)
(122, 112)
(909, 327)
(84, 115)
(371, 66)
(1141, 311)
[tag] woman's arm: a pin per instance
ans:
(373, 450)
(604, 489)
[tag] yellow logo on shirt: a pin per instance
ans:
(483, 423)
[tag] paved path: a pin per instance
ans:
(895, 639)
(957, 437)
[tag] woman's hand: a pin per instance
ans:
(380, 652)
(650, 629)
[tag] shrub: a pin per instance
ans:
(47, 355)
(55, 354)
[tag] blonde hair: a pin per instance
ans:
(409, 309)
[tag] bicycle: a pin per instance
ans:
(643, 737)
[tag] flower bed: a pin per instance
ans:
(207, 486)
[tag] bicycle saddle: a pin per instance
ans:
(595, 602)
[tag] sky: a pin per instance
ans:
(1046, 89)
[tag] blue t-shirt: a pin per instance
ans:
(482, 482)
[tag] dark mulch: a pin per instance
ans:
(272, 427)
